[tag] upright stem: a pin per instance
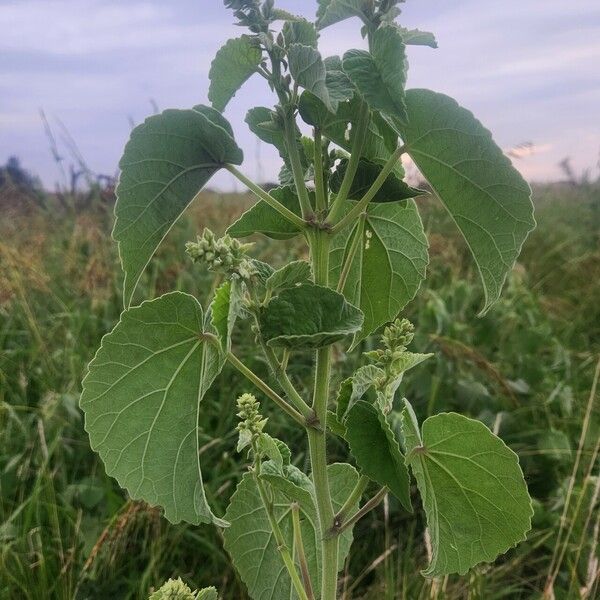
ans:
(320, 242)
(359, 135)
(319, 180)
(296, 164)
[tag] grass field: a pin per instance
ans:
(528, 369)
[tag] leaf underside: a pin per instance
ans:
(376, 451)
(141, 399)
(389, 265)
(485, 195)
(472, 487)
(166, 162)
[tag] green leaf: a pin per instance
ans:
(262, 123)
(269, 447)
(233, 65)
(334, 11)
(380, 75)
(141, 399)
(355, 387)
(308, 316)
(308, 70)
(415, 37)
(226, 307)
(486, 196)
(166, 162)
(472, 487)
(392, 190)
(250, 541)
(338, 83)
(290, 275)
(262, 218)
(300, 31)
(389, 265)
(376, 451)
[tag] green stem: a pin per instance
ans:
(361, 205)
(296, 164)
(356, 241)
(317, 441)
(353, 498)
(359, 135)
(299, 548)
(272, 202)
(319, 180)
(281, 545)
(263, 387)
(374, 502)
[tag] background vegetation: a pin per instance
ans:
(528, 368)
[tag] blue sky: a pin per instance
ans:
(529, 69)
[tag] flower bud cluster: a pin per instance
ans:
(396, 337)
(222, 255)
(251, 422)
(174, 589)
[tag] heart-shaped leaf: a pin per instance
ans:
(234, 63)
(308, 316)
(166, 162)
(389, 265)
(376, 451)
(472, 487)
(141, 399)
(486, 196)
(330, 12)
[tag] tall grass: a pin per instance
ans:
(526, 369)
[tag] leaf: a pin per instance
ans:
(308, 70)
(295, 272)
(355, 387)
(262, 123)
(389, 265)
(252, 546)
(262, 218)
(376, 451)
(269, 447)
(166, 162)
(393, 189)
(472, 487)
(380, 75)
(226, 307)
(308, 316)
(233, 65)
(338, 84)
(334, 11)
(300, 31)
(141, 399)
(486, 196)
(415, 37)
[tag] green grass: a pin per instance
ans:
(526, 368)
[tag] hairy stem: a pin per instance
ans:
(357, 144)
(300, 553)
(361, 205)
(317, 442)
(263, 387)
(281, 545)
(272, 202)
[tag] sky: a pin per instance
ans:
(528, 69)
